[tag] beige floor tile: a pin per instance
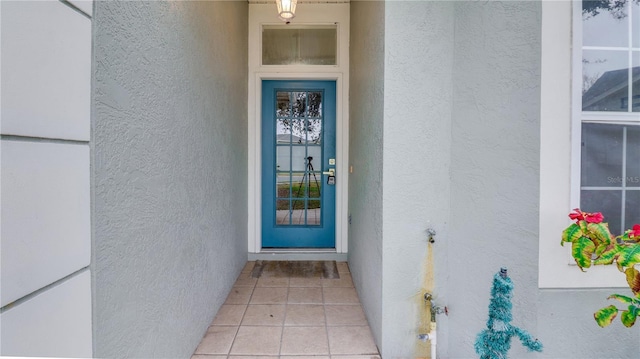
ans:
(264, 314)
(307, 295)
(239, 295)
(305, 282)
(273, 282)
(248, 267)
(229, 314)
(343, 267)
(355, 357)
(304, 315)
(217, 340)
(344, 281)
(351, 340)
(205, 356)
(245, 281)
(252, 357)
(338, 295)
(257, 341)
(345, 315)
(304, 341)
(303, 357)
(268, 295)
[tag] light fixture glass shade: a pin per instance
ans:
(286, 9)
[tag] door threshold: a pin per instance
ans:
(298, 254)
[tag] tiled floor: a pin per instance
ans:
(290, 318)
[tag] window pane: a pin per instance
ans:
(632, 215)
(605, 80)
(607, 202)
(605, 23)
(286, 45)
(635, 34)
(633, 157)
(601, 155)
(635, 89)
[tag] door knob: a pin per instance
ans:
(331, 172)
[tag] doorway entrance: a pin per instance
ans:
(298, 164)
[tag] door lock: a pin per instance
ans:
(331, 176)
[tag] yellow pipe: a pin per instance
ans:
(423, 349)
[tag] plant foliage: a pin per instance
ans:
(593, 244)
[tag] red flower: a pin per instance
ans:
(577, 215)
(593, 217)
(635, 231)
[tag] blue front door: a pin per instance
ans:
(298, 150)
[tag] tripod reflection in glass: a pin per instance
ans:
(305, 185)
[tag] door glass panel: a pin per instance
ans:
(283, 185)
(299, 107)
(283, 212)
(283, 107)
(315, 104)
(313, 213)
(283, 158)
(299, 158)
(283, 131)
(313, 131)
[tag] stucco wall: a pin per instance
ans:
(494, 165)
(417, 144)
(495, 192)
(169, 174)
(365, 143)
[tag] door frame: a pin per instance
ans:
(255, 156)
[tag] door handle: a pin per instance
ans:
(331, 172)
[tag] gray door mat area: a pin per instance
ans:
(295, 269)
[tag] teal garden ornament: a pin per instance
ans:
(495, 341)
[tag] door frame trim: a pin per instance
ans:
(254, 133)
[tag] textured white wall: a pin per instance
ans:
(45, 284)
(417, 145)
(365, 141)
(170, 178)
(495, 192)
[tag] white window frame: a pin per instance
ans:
(560, 134)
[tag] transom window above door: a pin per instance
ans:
(299, 44)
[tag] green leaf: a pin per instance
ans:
(605, 316)
(608, 256)
(633, 278)
(571, 234)
(628, 317)
(629, 255)
(622, 298)
(582, 250)
(600, 231)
